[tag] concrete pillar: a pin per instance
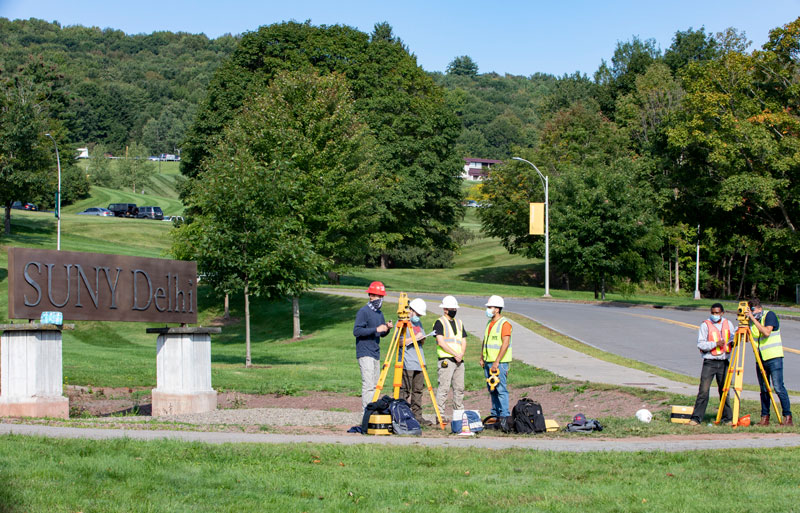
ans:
(183, 367)
(31, 371)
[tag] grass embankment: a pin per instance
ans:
(132, 476)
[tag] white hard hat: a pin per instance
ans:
(496, 301)
(644, 415)
(419, 306)
(449, 302)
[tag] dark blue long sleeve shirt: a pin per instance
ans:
(365, 330)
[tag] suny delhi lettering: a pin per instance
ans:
(168, 297)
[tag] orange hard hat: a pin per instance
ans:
(376, 288)
(744, 421)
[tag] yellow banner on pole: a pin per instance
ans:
(537, 219)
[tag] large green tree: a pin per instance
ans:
(287, 193)
(406, 112)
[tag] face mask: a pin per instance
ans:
(452, 313)
(376, 303)
(489, 313)
(758, 315)
(414, 318)
(716, 318)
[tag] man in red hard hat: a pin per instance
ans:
(368, 329)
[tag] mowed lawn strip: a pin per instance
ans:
(44, 475)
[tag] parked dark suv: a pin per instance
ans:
(150, 213)
(124, 209)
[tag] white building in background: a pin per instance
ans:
(478, 169)
(83, 153)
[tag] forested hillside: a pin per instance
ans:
(119, 88)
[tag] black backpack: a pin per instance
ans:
(381, 407)
(528, 417)
(403, 420)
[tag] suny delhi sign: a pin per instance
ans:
(98, 287)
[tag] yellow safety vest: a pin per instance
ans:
(492, 341)
(769, 347)
(451, 339)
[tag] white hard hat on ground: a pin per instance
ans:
(496, 301)
(644, 415)
(449, 302)
(419, 306)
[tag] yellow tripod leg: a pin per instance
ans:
(727, 385)
(399, 359)
(428, 384)
(385, 370)
(765, 378)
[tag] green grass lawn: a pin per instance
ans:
(45, 475)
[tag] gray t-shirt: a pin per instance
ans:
(410, 360)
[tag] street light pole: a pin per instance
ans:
(58, 194)
(697, 267)
(545, 183)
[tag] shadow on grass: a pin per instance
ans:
(28, 231)
(271, 321)
(529, 275)
(3, 274)
(262, 360)
(9, 503)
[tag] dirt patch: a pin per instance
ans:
(559, 403)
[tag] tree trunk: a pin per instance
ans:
(227, 314)
(669, 272)
(384, 258)
(753, 288)
(296, 317)
(603, 287)
(595, 289)
(741, 283)
(677, 271)
(247, 362)
(8, 220)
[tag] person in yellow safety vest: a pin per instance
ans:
(766, 331)
(496, 350)
(451, 341)
(714, 340)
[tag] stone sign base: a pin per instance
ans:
(55, 407)
(170, 403)
(30, 371)
(183, 368)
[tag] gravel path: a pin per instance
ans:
(254, 417)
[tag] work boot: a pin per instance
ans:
(787, 421)
(692, 423)
(764, 421)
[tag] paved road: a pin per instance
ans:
(665, 338)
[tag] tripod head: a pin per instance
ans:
(403, 312)
(741, 315)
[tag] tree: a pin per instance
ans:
(287, 193)
(135, 169)
(24, 151)
(406, 112)
(603, 223)
(690, 46)
(462, 65)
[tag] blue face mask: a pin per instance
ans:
(716, 318)
(489, 313)
(415, 318)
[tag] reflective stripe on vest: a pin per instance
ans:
(451, 339)
(769, 347)
(714, 336)
(493, 341)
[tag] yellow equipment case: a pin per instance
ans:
(681, 414)
(379, 424)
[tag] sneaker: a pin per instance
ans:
(692, 423)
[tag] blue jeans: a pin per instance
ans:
(774, 371)
(500, 394)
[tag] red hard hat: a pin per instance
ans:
(376, 288)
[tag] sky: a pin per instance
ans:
(516, 37)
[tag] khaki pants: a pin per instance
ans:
(452, 375)
(370, 373)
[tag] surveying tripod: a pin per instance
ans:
(736, 368)
(403, 331)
